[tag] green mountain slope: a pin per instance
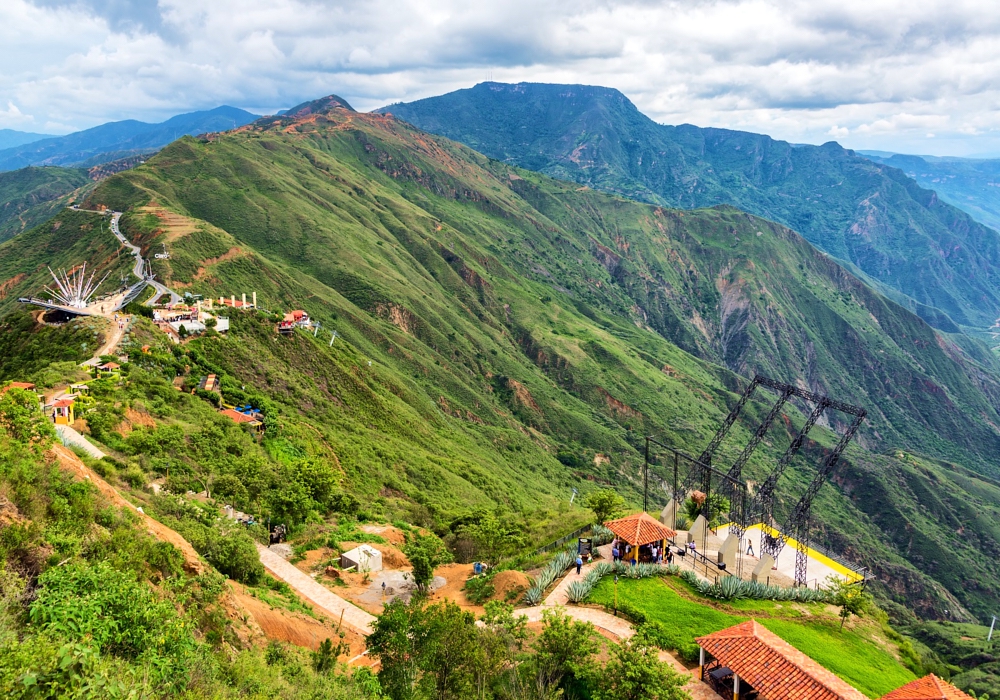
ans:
(967, 183)
(869, 215)
(32, 195)
(510, 319)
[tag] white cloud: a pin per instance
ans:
(883, 72)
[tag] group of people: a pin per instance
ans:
(652, 553)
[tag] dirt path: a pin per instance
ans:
(111, 340)
(316, 593)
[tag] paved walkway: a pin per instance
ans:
(316, 593)
(71, 438)
(620, 628)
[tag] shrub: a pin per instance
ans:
(234, 554)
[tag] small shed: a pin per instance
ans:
(639, 530)
(927, 688)
(62, 412)
(363, 558)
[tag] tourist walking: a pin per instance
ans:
(615, 554)
(749, 547)
(579, 564)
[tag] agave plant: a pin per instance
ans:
(579, 590)
(533, 596)
(601, 535)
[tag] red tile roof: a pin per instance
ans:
(238, 417)
(772, 666)
(927, 688)
(640, 529)
(27, 386)
(110, 365)
(63, 403)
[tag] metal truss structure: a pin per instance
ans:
(75, 289)
(761, 507)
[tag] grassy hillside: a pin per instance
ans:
(31, 196)
(524, 335)
(870, 215)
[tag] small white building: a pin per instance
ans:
(363, 558)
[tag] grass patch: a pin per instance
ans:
(856, 656)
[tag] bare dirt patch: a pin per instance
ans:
(509, 585)
(296, 628)
(172, 225)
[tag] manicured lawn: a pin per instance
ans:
(853, 655)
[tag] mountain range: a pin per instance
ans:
(116, 140)
(971, 184)
(504, 337)
(9, 138)
(927, 254)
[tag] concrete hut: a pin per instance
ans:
(362, 558)
(640, 530)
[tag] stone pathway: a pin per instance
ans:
(316, 593)
(71, 438)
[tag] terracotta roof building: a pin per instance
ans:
(927, 688)
(27, 386)
(640, 529)
(238, 417)
(748, 656)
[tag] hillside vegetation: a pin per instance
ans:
(30, 196)
(524, 335)
(870, 215)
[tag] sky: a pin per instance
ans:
(911, 76)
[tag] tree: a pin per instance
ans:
(494, 538)
(563, 648)
(606, 504)
(432, 652)
(21, 417)
(851, 598)
(182, 331)
(234, 554)
(426, 553)
(634, 672)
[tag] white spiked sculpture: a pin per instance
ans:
(75, 288)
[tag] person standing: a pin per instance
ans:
(749, 547)
(579, 564)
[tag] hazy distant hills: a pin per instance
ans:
(11, 139)
(871, 215)
(972, 185)
(116, 140)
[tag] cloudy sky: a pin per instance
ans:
(917, 76)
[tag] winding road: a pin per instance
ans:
(141, 267)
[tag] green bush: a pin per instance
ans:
(234, 554)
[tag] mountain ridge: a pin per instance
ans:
(116, 140)
(869, 215)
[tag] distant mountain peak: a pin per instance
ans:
(321, 106)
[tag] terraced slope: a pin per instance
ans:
(523, 335)
(871, 215)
